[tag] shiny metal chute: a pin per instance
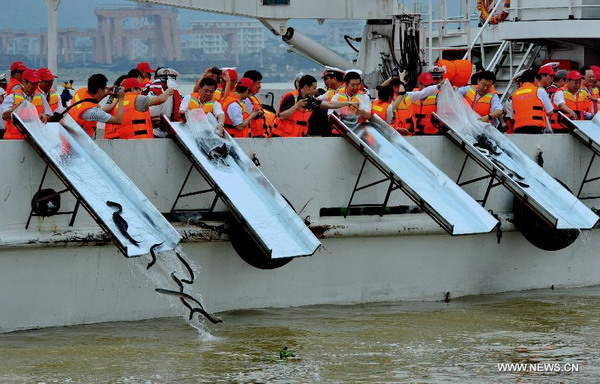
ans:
(434, 192)
(586, 131)
(250, 197)
(515, 170)
(116, 204)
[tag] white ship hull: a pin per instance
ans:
(52, 275)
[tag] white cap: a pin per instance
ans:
(355, 71)
(167, 72)
(298, 76)
(554, 65)
(3, 78)
(334, 69)
(2, 92)
(518, 75)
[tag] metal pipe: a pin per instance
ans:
(314, 51)
(52, 34)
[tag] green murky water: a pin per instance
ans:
(460, 342)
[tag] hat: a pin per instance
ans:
(546, 70)
(18, 65)
(574, 75)
(32, 76)
(246, 82)
(3, 78)
(596, 70)
(144, 67)
(233, 75)
(425, 78)
(437, 72)
(518, 75)
(46, 74)
(131, 83)
(298, 76)
(331, 71)
(167, 72)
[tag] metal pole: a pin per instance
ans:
(52, 34)
(430, 58)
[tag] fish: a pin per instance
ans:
(184, 296)
(153, 255)
(187, 266)
(120, 221)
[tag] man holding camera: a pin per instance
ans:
(295, 110)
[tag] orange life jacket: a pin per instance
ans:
(218, 95)
(53, 100)
(13, 84)
(423, 110)
(296, 125)
(342, 97)
(259, 127)
(529, 109)
(135, 124)
(294, 93)
(483, 106)
(403, 115)
(88, 126)
(576, 102)
(229, 127)
(195, 103)
(12, 132)
(380, 108)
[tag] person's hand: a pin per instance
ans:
(254, 114)
(573, 115)
(44, 118)
(220, 129)
(121, 94)
(6, 114)
(301, 103)
(225, 76)
(402, 75)
(169, 91)
(353, 105)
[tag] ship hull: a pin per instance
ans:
(53, 275)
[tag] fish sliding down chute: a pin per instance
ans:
(434, 192)
(250, 197)
(116, 204)
(520, 174)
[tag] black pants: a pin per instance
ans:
(530, 129)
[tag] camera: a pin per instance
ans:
(311, 103)
(216, 70)
(116, 91)
(395, 72)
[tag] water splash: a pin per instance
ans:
(173, 274)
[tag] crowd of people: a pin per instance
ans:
(136, 101)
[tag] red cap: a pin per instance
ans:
(546, 70)
(46, 74)
(233, 75)
(131, 83)
(144, 67)
(246, 82)
(596, 70)
(425, 78)
(18, 65)
(32, 76)
(574, 75)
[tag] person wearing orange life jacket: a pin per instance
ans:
(28, 92)
(16, 74)
(361, 106)
(237, 117)
(334, 82)
(482, 99)
(545, 78)
(84, 107)
(296, 90)
(400, 114)
(147, 73)
(137, 121)
(165, 78)
(263, 125)
(588, 84)
(47, 80)
(379, 107)
(424, 108)
(531, 105)
(571, 100)
(203, 97)
(229, 79)
(296, 110)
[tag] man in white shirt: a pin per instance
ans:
(202, 97)
(353, 82)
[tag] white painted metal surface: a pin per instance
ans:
(253, 200)
(102, 187)
(518, 172)
(435, 192)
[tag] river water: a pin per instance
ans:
(463, 341)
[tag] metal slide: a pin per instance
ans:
(495, 153)
(116, 204)
(588, 133)
(408, 170)
(250, 197)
